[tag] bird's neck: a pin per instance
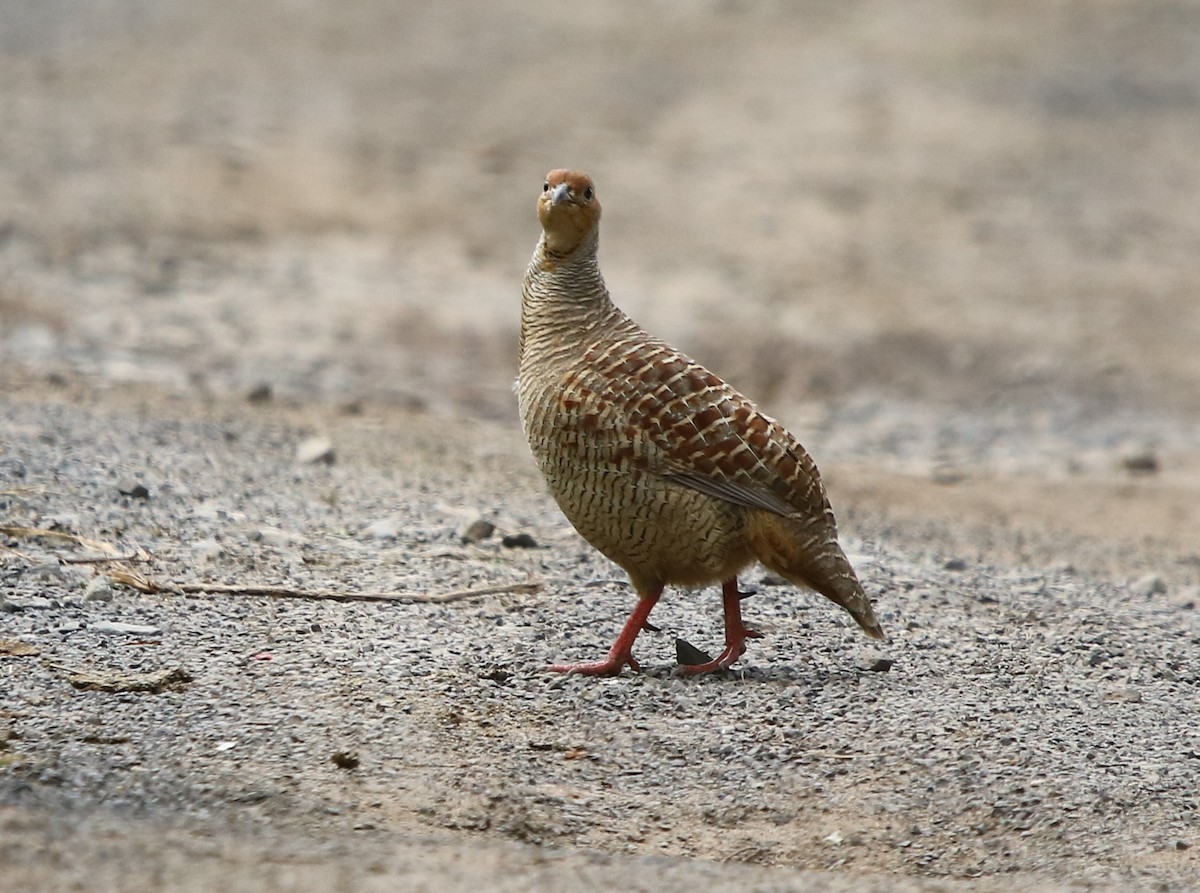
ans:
(565, 304)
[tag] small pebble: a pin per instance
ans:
(18, 648)
(314, 450)
(1125, 695)
(273, 536)
(133, 489)
(383, 529)
(1151, 584)
(519, 541)
(98, 590)
(260, 393)
(119, 628)
(947, 475)
(49, 573)
(1142, 461)
(63, 521)
(344, 759)
(1186, 598)
(478, 530)
(29, 604)
(207, 549)
(954, 564)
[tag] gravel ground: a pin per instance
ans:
(954, 249)
(1034, 721)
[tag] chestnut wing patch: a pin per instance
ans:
(647, 408)
(704, 435)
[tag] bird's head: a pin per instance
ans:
(569, 211)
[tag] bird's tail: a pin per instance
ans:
(809, 556)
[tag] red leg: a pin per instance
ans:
(621, 652)
(736, 633)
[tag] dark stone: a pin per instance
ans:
(477, 531)
(688, 655)
(1141, 462)
(133, 489)
(345, 759)
(519, 541)
(260, 393)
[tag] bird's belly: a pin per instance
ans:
(659, 532)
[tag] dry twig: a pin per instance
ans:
(31, 532)
(124, 576)
(127, 577)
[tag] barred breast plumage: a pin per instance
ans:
(657, 462)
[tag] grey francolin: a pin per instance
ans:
(658, 463)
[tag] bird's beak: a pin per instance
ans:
(560, 194)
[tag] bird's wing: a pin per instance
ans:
(732, 491)
(734, 452)
(663, 413)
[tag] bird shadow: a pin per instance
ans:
(787, 674)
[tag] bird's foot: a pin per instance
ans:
(610, 666)
(620, 655)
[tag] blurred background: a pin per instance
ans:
(931, 229)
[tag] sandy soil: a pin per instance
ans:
(954, 247)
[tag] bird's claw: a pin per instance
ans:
(610, 666)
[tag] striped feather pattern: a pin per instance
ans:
(656, 461)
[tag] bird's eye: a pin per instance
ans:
(546, 186)
(587, 194)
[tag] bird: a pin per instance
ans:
(658, 463)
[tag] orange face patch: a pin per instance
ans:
(567, 223)
(578, 181)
